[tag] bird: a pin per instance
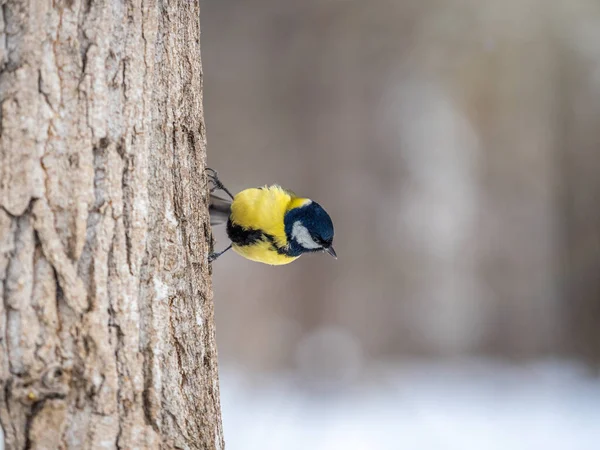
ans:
(270, 224)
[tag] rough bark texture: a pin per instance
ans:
(106, 318)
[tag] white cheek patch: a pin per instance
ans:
(301, 235)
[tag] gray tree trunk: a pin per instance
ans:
(106, 318)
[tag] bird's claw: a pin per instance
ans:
(214, 255)
(213, 177)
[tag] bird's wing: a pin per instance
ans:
(219, 209)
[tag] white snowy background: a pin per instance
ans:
(474, 405)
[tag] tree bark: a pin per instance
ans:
(106, 320)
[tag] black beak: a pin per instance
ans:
(331, 251)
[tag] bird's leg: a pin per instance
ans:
(214, 255)
(214, 178)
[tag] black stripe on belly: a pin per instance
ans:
(247, 236)
(274, 246)
(242, 236)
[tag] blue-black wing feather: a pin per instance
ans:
(219, 209)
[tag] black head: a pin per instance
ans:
(309, 229)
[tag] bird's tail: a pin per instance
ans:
(219, 209)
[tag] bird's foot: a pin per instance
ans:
(214, 255)
(213, 177)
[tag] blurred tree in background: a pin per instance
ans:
(456, 145)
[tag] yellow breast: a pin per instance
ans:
(264, 209)
(262, 252)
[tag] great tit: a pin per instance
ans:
(270, 224)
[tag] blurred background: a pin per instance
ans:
(456, 145)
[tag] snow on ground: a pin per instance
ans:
(420, 406)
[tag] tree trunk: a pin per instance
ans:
(106, 319)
